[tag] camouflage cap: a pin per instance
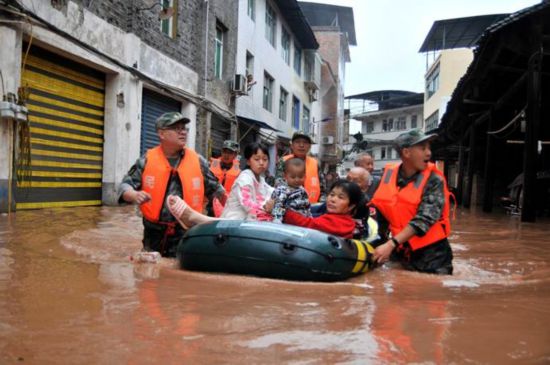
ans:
(411, 138)
(170, 118)
(230, 145)
(303, 135)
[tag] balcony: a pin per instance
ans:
(312, 69)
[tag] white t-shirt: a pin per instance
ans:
(247, 197)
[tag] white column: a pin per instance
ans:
(10, 66)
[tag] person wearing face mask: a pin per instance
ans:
(413, 200)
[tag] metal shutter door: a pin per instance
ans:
(220, 132)
(66, 104)
(153, 106)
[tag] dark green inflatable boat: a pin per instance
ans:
(271, 250)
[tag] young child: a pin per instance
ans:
(247, 198)
(342, 200)
(250, 191)
(291, 193)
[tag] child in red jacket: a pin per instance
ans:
(342, 200)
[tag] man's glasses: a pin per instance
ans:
(178, 129)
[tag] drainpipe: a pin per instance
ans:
(206, 46)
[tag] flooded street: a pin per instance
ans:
(70, 294)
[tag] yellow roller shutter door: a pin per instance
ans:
(66, 113)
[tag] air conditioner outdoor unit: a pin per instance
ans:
(327, 139)
(239, 84)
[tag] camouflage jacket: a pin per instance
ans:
(212, 187)
(429, 209)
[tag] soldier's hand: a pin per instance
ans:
(141, 197)
(382, 253)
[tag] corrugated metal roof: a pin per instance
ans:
(458, 32)
(331, 15)
(479, 63)
(298, 23)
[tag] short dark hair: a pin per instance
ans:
(359, 157)
(252, 148)
(355, 195)
(295, 161)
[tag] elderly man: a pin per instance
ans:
(169, 168)
(361, 177)
(366, 161)
(414, 199)
(226, 168)
(314, 182)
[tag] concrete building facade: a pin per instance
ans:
(441, 79)
(334, 28)
(277, 54)
(91, 74)
(398, 111)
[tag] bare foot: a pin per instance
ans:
(180, 210)
(184, 214)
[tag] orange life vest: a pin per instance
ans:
(399, 206)
(311, 183)
(225, 177)
(156, 175)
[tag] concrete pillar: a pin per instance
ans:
(10, 66)
(122, 131)
(189, 110)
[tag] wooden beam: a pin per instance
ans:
(489, 168)
(477, 102)
(467, 197)
(533, 114)
(461, 164)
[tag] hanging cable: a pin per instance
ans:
(521, 115)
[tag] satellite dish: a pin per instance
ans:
(166, 13)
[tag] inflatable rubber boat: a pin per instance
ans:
(272, 250)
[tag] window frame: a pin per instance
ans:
(251, 9)
(296, 112)
(267, 96)
(270, 25)
(171, 23)
(218, 51)
(283, 104)
(306, 115)
(285, 46)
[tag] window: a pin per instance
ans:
(432, 122)
(249, 65)
(432, 82)
(414, 119)
(168, 26)
(218, 51)
(285, 46)
(251, 10)
(390, 124)
(268, 91)
(383, 153)
(283, 104)
(295, 112)
(384, 125)
(305, 120)
(270, 25)
(401, 123)
(298, 60)
(370, 127)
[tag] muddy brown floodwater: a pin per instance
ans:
(70, 295)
